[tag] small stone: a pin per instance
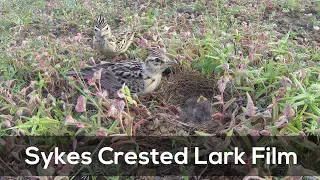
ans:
(22, 112)
(57, 66)
(285, 10)
(6, 123)
(316, 28)
(63, 50)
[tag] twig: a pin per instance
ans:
(14, 172)
(199, 177)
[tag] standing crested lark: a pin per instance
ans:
(140, 77)
(111, 43)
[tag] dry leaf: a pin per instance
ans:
(69, 119)
(250, 109)
(81, 104)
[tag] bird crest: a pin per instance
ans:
(156, 51)
(100, 21)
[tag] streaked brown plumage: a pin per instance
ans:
(111, 42)
(140, 77)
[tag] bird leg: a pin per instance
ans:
(115, 59)
(126, 56)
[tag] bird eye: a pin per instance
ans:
(157, 59)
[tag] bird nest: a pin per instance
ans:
(185, 84)
(179, 111)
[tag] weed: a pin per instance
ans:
(255, 48)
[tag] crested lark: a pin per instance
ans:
(111, 42)
(140, 77)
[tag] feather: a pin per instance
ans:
(140, 77)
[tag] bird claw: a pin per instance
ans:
(125, 56)
(116, 59)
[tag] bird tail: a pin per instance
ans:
(71, 73)
(86, 72)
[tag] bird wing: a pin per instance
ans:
(123, 42)
(89, 71)
(114, 75)
(124, 37)
(129, 73)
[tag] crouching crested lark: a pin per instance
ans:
(140, 77)
(111, 42)
(196, 110)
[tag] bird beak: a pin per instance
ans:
(171, 63)
(201, 98)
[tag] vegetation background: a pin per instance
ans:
(263, 53)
